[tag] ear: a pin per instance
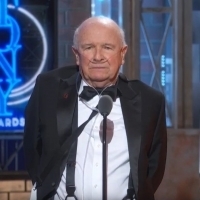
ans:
(75, 51)
(123, 53)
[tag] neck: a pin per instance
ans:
(99, 84)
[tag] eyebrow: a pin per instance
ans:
(85, 45)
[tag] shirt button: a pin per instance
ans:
(98, 145)
(96, 127)
(95, 186)
(97, 164)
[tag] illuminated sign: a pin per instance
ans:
(14, 91)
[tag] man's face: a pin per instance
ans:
(99, 54)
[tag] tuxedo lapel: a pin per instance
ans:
(66, 106)
(131, 109)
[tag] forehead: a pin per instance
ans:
(98, 32)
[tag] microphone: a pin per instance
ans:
(105, 105)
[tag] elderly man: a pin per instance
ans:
(62, 163)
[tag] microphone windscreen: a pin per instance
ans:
(105, 105)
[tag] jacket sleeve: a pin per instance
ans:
(158, 151)
(32, 137)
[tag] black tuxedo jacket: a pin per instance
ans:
(48, 120)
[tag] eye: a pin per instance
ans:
(108, 47)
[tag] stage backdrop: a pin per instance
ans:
(24, 53)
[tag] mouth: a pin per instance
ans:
(97, 67)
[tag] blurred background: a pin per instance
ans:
(163, 37)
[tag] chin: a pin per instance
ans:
(99, 79)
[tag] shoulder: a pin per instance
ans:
(52, 78)
(142, 88)
(60, 73)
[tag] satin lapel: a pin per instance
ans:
(131, 109)
(67, 102)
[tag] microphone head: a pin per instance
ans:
(105, 105)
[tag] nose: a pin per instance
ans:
(98, 55)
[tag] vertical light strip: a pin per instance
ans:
(108, 10)
(101, 7)
(120, 21)
(98, 9)
(93, 5)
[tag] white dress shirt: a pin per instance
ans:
(88, 171)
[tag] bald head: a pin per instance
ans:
(100, 20)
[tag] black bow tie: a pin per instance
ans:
(89, 92)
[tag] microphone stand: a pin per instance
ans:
(104, 167)
(105, 106)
